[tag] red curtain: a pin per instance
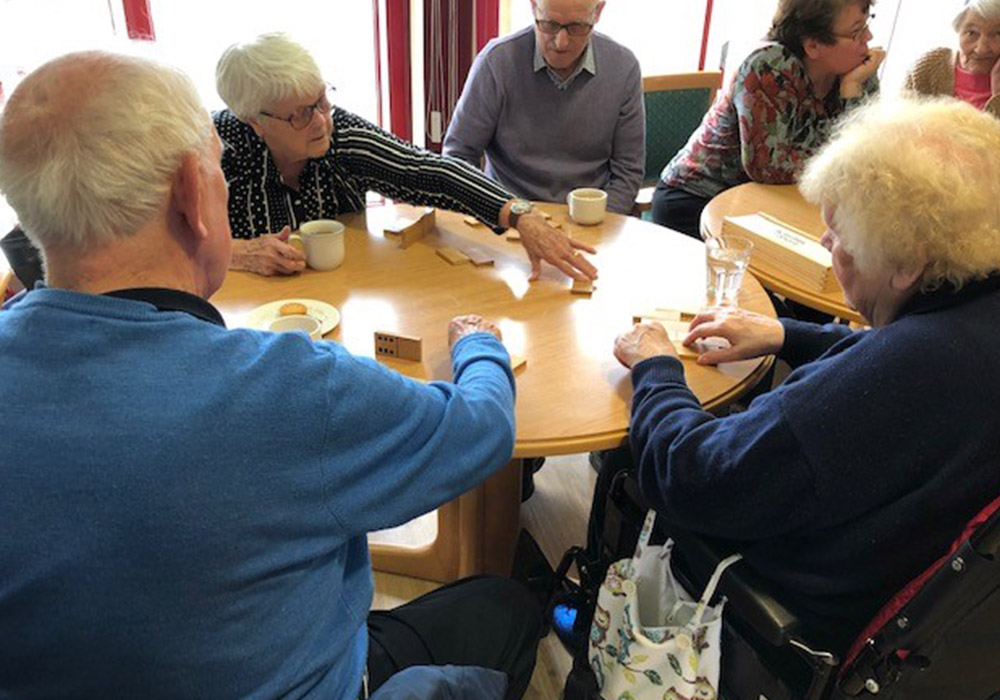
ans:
(454, 32)
(397, 22)
(487, 22)
(139, 20)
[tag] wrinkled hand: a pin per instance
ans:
(995, 77)
(749, 334)
(852, 82)
(644, 341)
(461, 326)
(270, 254)
(543, 242)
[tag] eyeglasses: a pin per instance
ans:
(303, 115)
(858, 35)
(549, 26)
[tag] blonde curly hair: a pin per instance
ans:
(909, 181)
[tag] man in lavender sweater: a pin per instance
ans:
(555, 107)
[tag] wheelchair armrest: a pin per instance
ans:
(749, 597)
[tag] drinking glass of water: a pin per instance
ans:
(726, 257)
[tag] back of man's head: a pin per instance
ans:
(90, 142)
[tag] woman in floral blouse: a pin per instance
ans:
(778, 110)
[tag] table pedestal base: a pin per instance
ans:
(476, 534)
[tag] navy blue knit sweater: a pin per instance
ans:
(854, 475)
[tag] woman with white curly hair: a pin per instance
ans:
(973, 72)
(849, 479)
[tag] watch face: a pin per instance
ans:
(521, 206)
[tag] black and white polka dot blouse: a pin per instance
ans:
(362, 157)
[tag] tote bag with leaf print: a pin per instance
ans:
(650, 640)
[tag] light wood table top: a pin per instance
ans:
(572, 396)
(786, 203)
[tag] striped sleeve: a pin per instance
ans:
(399, 170)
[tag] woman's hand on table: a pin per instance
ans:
(851, 82)
(270, 254)
(544, 242)
(749, 334)
(462, 326)
(644, 341)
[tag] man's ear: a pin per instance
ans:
(597, 11)
(186, 195)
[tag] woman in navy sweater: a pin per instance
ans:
(854, 475)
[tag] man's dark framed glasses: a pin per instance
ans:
(549, 26)
(303, 115)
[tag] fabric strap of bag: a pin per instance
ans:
(712, 584)
(647, 531)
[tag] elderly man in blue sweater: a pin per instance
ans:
(555, 107)
(185, 507)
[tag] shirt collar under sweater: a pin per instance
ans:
(161, 298)
(587, 63)
(946, 296)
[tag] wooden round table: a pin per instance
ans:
(572, 394)
(786, 203)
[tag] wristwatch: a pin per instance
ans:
(518, 208)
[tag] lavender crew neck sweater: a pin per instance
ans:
(542, 140)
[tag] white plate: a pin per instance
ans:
(328, 316)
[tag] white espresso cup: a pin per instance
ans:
(323, 243)
(587, 205)
(297, 322)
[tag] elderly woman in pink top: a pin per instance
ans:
(973, 72)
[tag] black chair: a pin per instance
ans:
(939, 638)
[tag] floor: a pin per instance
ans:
(557, 517)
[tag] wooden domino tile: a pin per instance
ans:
(409, 231)
(403, 347)
(517, 362)
(582, 287)
(452, 256)
(513, 236)
(472, 221)
(480, 259)
(544, 214)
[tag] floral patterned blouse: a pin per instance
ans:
(763, 128)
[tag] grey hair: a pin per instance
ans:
(87, 160)
(987, 9)
(911, 181)
(269, 69)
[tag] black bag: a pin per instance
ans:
(616, 517)
(24, 258)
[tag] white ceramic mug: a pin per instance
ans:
(323, 243)
(587, 205)
(297, 322)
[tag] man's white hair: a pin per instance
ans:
(90, 142)
(987, 9)
(269, 69)
(911, 180)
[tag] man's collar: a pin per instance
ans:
(587, 63)
(172, 300)
(945, 295)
